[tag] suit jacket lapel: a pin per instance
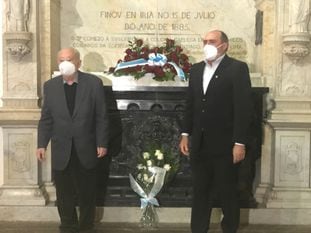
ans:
(219, 71)
(222, 65)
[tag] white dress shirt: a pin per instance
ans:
(209, 71)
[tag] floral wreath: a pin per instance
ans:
(163, 62)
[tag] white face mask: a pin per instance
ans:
(210, 52)
(66, 68)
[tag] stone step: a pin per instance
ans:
(166, 215)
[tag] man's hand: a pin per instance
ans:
(101, 152)
(40, 154)
(238, 152)
(184, 145)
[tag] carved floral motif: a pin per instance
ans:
(296, 46)
(16, 43)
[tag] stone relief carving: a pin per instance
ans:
(299, 15)
(294, 81)
(293, 161)
(20, 156)
(292, 158)
(17, 36)
(294, 90)
(17, 43)
(296, 42)
(18, 15)
(296, 46)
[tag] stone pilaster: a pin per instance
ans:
(49, 16)
(290, 119)
(266, 66)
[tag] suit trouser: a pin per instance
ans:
(76, 185)
(218, 171)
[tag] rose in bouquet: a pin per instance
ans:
(164, 62)
(154, 169)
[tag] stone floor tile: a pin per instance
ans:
(52, 227)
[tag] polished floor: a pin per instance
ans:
(30, 227)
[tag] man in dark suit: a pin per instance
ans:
(217, 117)
(74, 118)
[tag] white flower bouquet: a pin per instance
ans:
(155, 168)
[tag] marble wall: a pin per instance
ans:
(101, 31)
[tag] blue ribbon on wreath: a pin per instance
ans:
(155, 59)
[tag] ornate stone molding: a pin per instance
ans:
(16, 43)
(296, 46)
(20, 103)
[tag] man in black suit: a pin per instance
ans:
(74, 118)
(217, 117)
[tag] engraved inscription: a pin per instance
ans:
(106, 27)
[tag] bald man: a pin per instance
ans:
(217, 117)
(74, 119)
